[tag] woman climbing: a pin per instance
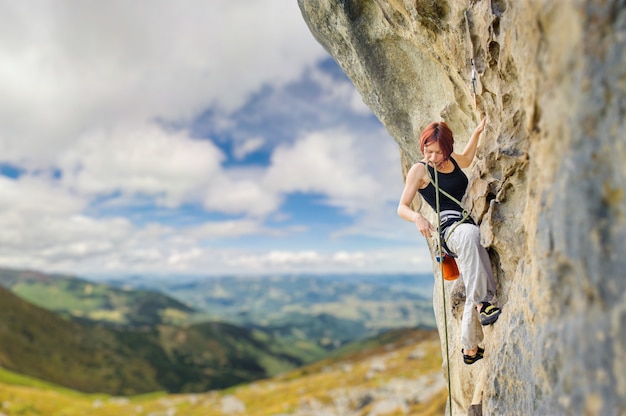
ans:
(461, 240)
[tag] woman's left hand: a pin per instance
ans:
(481, 126)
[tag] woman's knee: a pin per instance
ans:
(470, 234)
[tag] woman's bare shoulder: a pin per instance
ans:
(417, 173)
(417, 168)
(460, 160)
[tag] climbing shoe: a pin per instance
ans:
(489, 313)
(471, 359)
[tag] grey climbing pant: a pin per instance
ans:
(475, 269)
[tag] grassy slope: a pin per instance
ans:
(315, 385)
(91, 358)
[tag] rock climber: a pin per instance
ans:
(461, 240)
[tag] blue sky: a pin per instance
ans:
(189, 138)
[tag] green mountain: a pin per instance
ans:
(329, 310)
(89, 301)
(97, 358)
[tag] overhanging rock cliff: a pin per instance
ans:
(548, 185)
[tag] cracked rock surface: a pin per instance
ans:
(547, 186)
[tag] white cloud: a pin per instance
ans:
(28, 196)
(312, 261)
(358, 174)
(145, 160)
(43, 229)
(214, 230)
(34, 240)
(96, 97)
(233, 193)
(247, 147)
(68, 66)
(44, 225)
(281, 258)
(355, 173)
(320, 162)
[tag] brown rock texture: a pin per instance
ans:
(547, 186)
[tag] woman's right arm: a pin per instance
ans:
(414, 179)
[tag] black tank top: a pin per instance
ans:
(454, 183)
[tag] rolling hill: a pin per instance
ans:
(97, 358)
(398, 372)
(90, 301)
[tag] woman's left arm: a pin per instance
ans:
(465, 159)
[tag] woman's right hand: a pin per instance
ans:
(424, 226)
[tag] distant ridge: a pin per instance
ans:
(331, 310)
(90, 301)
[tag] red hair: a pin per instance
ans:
(438, 132)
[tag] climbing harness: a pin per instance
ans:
(449, 220)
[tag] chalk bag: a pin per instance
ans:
(450, 270)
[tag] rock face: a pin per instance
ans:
(547, 186)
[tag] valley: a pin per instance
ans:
(329, 310)
(398, 372)
(219, 345)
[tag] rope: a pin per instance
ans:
(440, 253)
(443, 288)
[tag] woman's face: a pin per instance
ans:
(433, 153)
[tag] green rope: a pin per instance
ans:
(443, 287)
(435, 182)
